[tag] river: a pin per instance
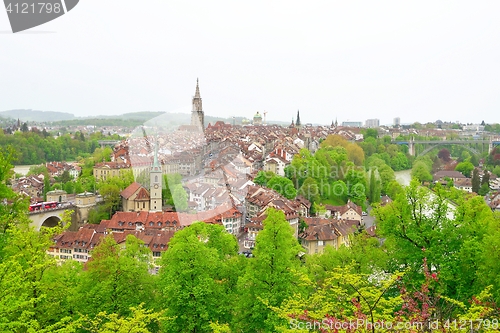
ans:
(403, 177)
(22, 169)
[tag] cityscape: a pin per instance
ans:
(257, 167)
(344, 187)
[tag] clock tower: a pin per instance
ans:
(155, 181)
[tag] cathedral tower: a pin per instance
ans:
(197, 114)
(155, 182)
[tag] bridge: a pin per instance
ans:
(48, 217)
(432, 144)
(108, 143)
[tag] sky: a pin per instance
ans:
(346, 60)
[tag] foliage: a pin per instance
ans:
(420, 171)
(465, 168)
(114, 268)
(34, 147)
(421, 224)
(445, 155)
(270, 277)
(476, 182)
(263, 177)
(283, 186)
(180, 198)
(196, 280)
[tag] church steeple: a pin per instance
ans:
(155, 182)
(197, 93)
(297, 123)
(155, 157)
(197, 114)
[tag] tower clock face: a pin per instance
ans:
(156, 185)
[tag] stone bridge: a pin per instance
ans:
(432, 144)
(48, 217)
(108, 143)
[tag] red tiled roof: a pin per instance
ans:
(130, 190)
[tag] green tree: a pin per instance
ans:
(271, 276)
(23, 268)
(114, 268)
(374, 186)
(476, 182)
(111, 197)
(196, 280)
(484, 189)
(465, 168)
(263, 177)
(420, 171)
(310, 190)
(283, 186)
(180, 198)
(421, 224)
(37, 170)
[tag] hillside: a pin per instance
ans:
(131, 119)
(35, 115)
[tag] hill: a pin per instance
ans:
(35, 115)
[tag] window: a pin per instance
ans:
(156, 254)
(320, 243)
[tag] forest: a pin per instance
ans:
(36, 147)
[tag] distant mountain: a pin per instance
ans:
(131, 119)
(35, 115)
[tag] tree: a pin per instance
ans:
(421, 224)
(476, 182)
(484, 189)
(310, 190)
(270, 277)
(465, 168)
(23, 288)
(263, 177)
(374, 187)
(114, 268)
(445, 155)
(196, 280)
(65, 177)
(138, 321)
(420, 171)
(283, 186)
(111, 196)
(13, 207)
(37, 170)
(180, 198)
(370, 132)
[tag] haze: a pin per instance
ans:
(350, 60)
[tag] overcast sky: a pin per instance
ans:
(351, 60)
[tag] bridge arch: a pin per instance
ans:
(444, 143)
(51, 221)
(48, 217)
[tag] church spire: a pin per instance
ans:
(298, 119)
(197, 114)
(197, 93)
(155, 158)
